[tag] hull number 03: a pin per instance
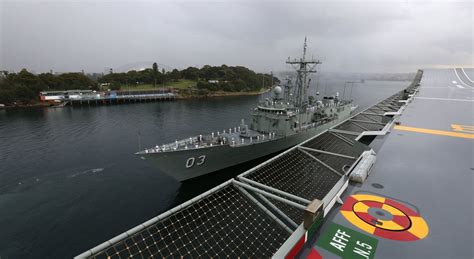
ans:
(200, 160)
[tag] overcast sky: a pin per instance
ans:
(353, 36)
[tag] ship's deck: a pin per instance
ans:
(424, 164)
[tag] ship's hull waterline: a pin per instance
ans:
(187, 164)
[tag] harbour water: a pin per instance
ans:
(69, 178)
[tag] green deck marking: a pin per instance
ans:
(347, 242)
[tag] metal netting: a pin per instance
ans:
(292, 212)
(328, 142)
(342, 137)
(384, 108)
(367, 125)
(350, 127)
(224, 223)
(340, 164)
(298, 174)
(376, 110)
(392, 103)
(349, 137)
(372, 118)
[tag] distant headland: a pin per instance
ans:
(23, 89)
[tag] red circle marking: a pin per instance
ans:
(406, 227)
(403, 221)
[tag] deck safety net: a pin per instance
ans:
(331, 143)
(210, 227)
(304, 172)
(296, 173)
(374, 118)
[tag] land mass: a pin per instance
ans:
(23, 88)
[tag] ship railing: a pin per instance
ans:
(263, 137)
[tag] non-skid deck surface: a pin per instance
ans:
(425, 166)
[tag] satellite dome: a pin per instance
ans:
(277, 90)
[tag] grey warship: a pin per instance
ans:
(289, 117)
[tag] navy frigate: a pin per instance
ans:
(286, 119)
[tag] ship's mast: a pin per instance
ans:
(287, 90)
(303, 68)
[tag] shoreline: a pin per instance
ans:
(39, 104)
(22, 106)
(221, 94)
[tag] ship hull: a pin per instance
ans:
(187, 164)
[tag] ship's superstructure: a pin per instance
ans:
(290, 116)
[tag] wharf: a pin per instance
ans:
(123, 97)
(317, 200)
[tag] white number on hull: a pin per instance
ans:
(191, 160)
(201, 160)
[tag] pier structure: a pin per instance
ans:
(122, 97)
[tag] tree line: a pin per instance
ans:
(213, 78)
(230, 78)
(24, 86)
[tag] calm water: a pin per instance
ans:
(69, 179)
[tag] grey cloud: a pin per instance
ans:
(354, 36)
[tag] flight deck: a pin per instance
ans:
(418, 200)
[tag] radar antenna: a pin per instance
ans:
(303, 68)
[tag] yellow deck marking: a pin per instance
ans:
(463, 128)
(361, 207)
(390, 225)
(419, 228)
(392, 210)
(352, 217)
(435, 132)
